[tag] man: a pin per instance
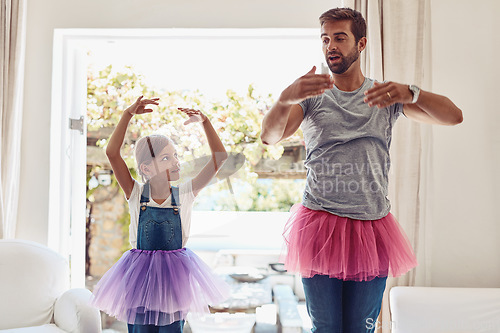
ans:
(342, 238)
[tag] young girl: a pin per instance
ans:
(155, 284)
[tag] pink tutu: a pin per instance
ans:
(322, 243)
(158, 287)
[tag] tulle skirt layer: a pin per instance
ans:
(158, 287)
(356, 250)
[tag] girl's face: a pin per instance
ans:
(164, 164)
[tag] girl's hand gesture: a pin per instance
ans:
(219, 154)
(139, 107)
(195, 116)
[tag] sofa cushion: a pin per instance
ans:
(32, 277)
(445, 310)
(50, 328)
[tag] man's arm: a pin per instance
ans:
(430, 108)
(286, 115)
(280, 123)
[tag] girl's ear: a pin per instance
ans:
(145, 170)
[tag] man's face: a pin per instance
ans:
(339, 46)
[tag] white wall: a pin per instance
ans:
(466, 225)
(465, 247)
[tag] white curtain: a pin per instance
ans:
(399, 49)
(12, 38)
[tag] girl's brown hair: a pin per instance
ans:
(146, 148)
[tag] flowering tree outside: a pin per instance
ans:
(237, 119)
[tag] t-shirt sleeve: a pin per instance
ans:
(186, 198)
(305, 105)
(133, 204)
(396, 110)
(186, 193)
(310, 104)
(136, 192)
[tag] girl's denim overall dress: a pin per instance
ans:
(159, 229)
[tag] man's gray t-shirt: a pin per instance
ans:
(347, 153)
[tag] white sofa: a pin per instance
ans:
(445, 310)
(35, 294)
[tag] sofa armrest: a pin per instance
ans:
(439, 309)
(73, 312)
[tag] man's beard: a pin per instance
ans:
(345, 62)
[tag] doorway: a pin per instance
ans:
(278, 55)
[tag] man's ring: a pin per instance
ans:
(389, 95)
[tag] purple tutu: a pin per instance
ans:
(158, 287)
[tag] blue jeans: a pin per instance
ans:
(175, 327)
(337, 306)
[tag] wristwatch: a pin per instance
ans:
(415, 91)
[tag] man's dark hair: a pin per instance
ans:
(358, 23)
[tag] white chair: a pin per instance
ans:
(35, 294)
(445, 310)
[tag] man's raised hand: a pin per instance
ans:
(308, 85)
(384, 94)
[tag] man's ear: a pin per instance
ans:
(362, 44)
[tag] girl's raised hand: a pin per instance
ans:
(195, 116)
(139, 107)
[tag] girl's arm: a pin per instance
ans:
(118, 165)
(219, 154)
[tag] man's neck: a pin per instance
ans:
(351, 80)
